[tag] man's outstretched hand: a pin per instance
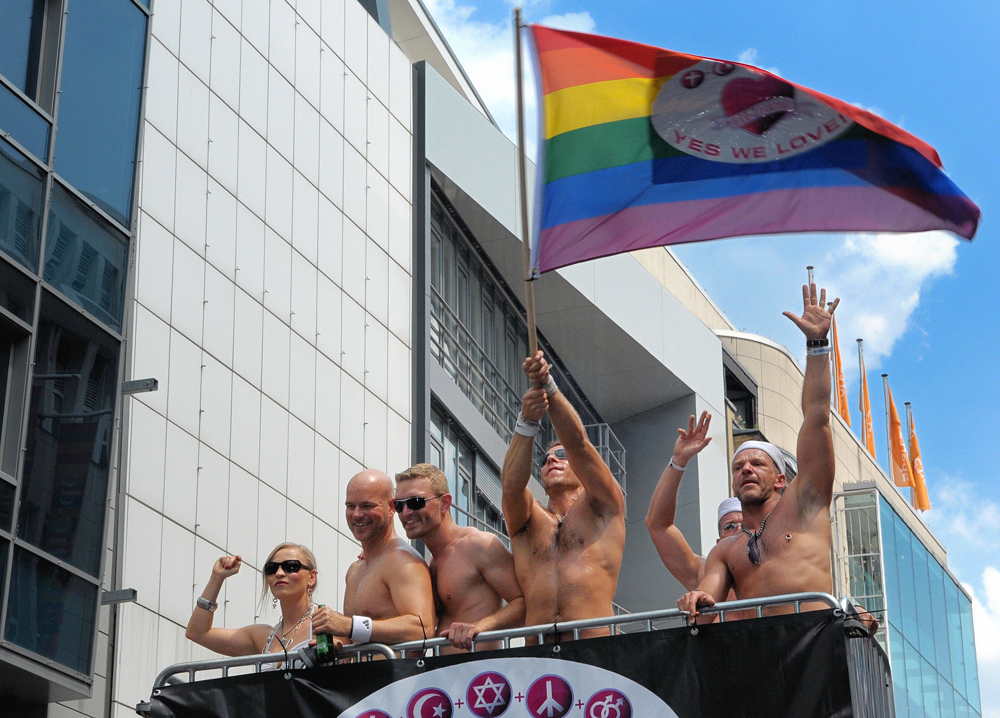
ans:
(816, 319)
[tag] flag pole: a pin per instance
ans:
(888, 423)
(809, 271)
(909, 433)
(834, 369)
(529, 293)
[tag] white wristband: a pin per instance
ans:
(361, 629)
(678, 467)
(550, 386)
(818, 351)
(526, 427)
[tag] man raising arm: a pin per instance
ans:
(567, 555)
(388, 597)
(785, 544)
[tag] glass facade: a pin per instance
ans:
(928, 619)
(67, 173)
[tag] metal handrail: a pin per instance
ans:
(506, 635)
(258, 661)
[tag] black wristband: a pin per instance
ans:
(812, 343)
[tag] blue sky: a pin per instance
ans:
(920, 302)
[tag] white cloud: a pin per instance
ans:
(750, 56)
(880, 278)
(485, 49)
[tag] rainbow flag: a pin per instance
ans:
(644, 147)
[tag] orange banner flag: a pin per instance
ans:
(842, 408)
(899, 461)
(868, 430)
(921, 500)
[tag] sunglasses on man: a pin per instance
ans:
(413, 503)
(559, 453)
(290, 566)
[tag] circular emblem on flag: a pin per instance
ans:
(608, 703)
(723, 112)
(549, 697)
(488, 695)
(429, 703)
(374, 714)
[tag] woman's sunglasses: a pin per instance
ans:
(413, 503)
(290, 566)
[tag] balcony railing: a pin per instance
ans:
(466, 361)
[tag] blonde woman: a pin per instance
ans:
(290, 576)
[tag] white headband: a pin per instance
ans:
(729, 506)
(770, 449)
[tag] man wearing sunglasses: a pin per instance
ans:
(567, 555)
(472, 571)
(785, 543)
(388, 596)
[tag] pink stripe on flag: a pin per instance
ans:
(815, 209)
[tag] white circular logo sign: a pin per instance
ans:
(726, 113)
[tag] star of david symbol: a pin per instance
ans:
(488, 695)
(497, 700)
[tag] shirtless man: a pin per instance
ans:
(472, 571)
(567, 556)
(675, 552)
(388, 597)
(785, 543)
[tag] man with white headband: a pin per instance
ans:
(675, 552)
(784, 546)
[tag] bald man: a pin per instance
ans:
(388, 597)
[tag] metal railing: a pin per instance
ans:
(644, 621)
(868, 665)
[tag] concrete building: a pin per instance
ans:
(302, 222)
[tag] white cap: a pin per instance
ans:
(770, 449)
(729, 506)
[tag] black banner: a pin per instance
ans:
(794, 666)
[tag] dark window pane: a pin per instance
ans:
(20, 42)
(23, 123)
(17, 293)
(22, 193)
(51, 612)
(85, 258)
(6, 509)
(99, 103)
(64, 489)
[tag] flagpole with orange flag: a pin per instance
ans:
(838, 375)
(921, 500)
(865, 406)
(899, 463)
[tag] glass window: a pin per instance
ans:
(17, 293)
(51, 612)
(925, 621)
(64, 489)
(904, 571)
(85, 258)
(971, 672)
(22, 194)
(897, 659)
(953, 595)
(20, 37)
(914, 681)
(24, 124)
(939, 616)
(893, 606)
(99, 103)
(6, 509)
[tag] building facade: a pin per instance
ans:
(301, 221)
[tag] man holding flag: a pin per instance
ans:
(785, 544)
